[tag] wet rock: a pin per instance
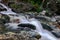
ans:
(31, 34)
(2, 28)
(27, 25)
(23, 35)
(4, 18)
(38, 36)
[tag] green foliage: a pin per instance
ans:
(39, 5)
(14, 6)
(36, 4)
(58, 1)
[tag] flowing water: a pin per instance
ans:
(33, 21)
(9, 11)
(41, 31)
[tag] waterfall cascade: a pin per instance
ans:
(33, 21)
(41, 31)
(9, 11)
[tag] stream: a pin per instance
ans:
(44, 33)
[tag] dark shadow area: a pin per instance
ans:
(27, 25)
(56, 35)
(47, 27)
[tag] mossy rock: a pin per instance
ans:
(4, 18)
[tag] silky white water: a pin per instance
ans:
(33, 21)
(41, 31)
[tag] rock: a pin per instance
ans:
(38, 36)
(31, 34)
(4, 18)
(28, 26)
(2, 28)
(23, 35)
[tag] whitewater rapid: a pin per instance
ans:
(41, 31)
